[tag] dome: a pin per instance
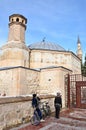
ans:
(46, 46)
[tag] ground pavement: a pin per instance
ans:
(74, 119)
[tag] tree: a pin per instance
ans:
(83, 67)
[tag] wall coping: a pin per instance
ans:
(6, 99)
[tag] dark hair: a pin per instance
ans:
(34, 95)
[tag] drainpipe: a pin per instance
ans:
(29, 57)
(68, 91)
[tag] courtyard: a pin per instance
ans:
(73, 119)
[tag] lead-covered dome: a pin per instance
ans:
(46, 46)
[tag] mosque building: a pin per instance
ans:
(37, 68)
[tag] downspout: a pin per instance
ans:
(68, 91)
(29, 57)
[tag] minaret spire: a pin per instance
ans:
(79, 49)
(78, 40)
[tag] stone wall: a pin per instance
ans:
(75, 64)
(52, 80)
(23, 81)
(14, 54)
(18, 81)
(43, 58)
(17, 110)
(29, 81)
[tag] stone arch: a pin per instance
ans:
(17, 19)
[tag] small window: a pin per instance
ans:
(12, 20)
(22, 21)
(17, 20)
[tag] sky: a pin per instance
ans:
(59, 21)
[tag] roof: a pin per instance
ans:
(46, 46)
(18, 15)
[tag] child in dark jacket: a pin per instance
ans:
(35, 104)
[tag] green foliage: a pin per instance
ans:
(83, 67)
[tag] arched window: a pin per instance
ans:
(22, 21)
(12, 20)
(17, 20)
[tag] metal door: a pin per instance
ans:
(81, 94)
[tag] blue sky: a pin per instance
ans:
(60, 21)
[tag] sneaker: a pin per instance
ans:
(42, 120)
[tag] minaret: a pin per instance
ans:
(17, 27)
(79, 50)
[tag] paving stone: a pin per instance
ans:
(67, 121)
